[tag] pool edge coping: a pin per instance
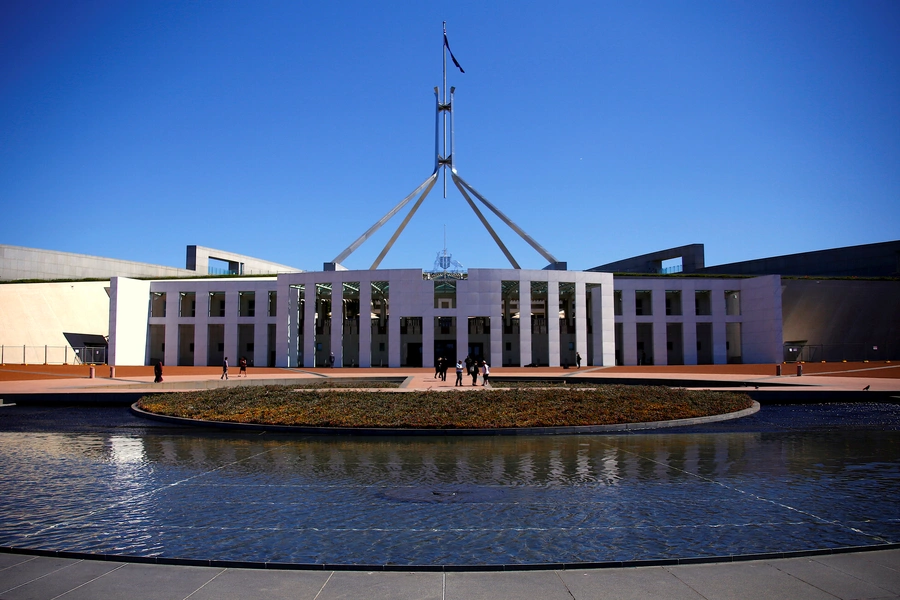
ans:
(448, 568)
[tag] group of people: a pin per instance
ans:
(242, 363)
(471, 366)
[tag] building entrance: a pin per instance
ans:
(447, 349)
(413, 354)
(476, 351)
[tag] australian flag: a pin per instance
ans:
(453, 58)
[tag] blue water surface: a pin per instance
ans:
(100, 480)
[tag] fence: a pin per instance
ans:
(52, 355)
(841, 352)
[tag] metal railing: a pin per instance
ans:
(52, 355)
(840, 352)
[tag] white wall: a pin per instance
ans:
(38, 314)
(761, 332)
(129, 305)
(760, 316)
(203, 287)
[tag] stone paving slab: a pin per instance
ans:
(873, 574)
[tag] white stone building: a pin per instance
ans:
(407, 317)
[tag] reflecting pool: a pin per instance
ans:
(99, 480)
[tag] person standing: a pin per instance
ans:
(243, 365)
(485, 372)
(331, 360)
(578, 360)
(224, 369)
(157, 371)
(437, 367)
(459, 369)
(444, 367)
(474, 373)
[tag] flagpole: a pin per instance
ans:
(444, 93)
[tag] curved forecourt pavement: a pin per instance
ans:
(845, 573)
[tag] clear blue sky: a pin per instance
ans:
(283, 130)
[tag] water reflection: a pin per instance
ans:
(448, 500)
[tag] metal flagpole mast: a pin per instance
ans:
(444, 93)
(443, 159)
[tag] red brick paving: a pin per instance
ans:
(880, 370)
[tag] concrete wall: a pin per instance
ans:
(18, 263)
(35, 315)
(198, 260)
(30, 263)
(867, 260)
(129, 302)
(761, 308)
(691, 255)
(853, 317)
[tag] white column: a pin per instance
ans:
(629, 328)
(260, 335)
(581, 345)
(337, 322)
(173, 300)
(553, 321)
(428, 357)
(309, 324)
(720, 347)
(365, 323)
(394, 340)
(525, 357)
(201, 332)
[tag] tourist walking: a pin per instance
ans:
(437, 368)
(224, 369)
(243, 365)
(459, 369)
(485, 372)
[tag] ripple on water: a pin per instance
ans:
(455, 500)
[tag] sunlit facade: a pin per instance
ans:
(407, 317)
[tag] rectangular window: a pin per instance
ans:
(246, 304)
(157, 304)
(217, 304)
(188, 304)
(444, 293)
(673, 302)
(702, 303)
(642, 302)
(733, 302)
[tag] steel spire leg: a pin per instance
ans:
(487, 225)
(430, 183)
(461, 182)
(349, 250)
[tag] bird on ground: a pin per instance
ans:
(866, 389)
